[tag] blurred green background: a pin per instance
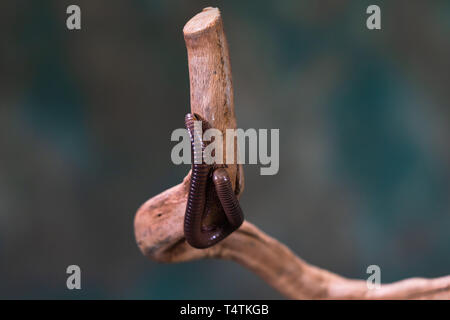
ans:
(86, 118)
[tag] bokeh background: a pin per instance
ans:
(86, 118)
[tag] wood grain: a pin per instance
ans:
(210, 77)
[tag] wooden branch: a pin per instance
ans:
(159, 221)
(210, 79)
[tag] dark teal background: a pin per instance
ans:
(86, 118)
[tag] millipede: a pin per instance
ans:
(210, 194)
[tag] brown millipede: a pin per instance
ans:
(210, 193)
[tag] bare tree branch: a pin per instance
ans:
(159, 221)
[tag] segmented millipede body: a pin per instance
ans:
(210, 193)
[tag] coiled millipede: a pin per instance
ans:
(210, 196)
